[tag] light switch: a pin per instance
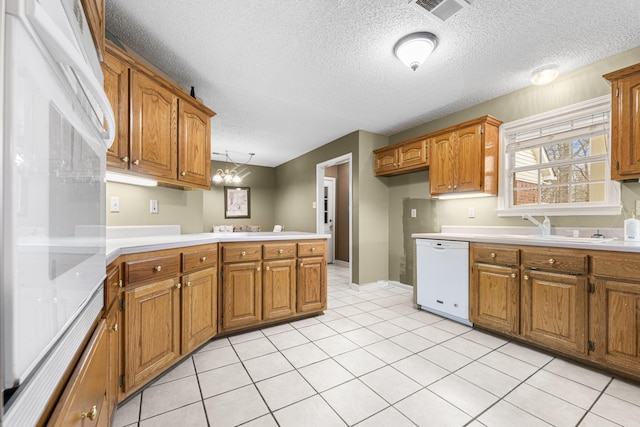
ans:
(153, 206)
(414, 213)
(114, 204)
(471, 213)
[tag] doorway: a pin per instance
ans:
(335, 176)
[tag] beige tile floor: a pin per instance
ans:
(373, 360)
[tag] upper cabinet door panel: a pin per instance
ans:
(194, 146)
(154, 127)
(116, 87)
(440, 172)
(469, 159)
(625, 130)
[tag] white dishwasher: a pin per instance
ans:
(443, 278)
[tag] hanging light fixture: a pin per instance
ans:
(226, 175)
(412, 50)
(544, 75)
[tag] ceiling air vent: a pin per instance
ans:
(440, 9)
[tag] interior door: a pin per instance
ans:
(329, 206)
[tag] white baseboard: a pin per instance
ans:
(341, 263)
(381, 284)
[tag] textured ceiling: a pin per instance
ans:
(288, 76)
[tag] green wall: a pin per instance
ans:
(413, 189)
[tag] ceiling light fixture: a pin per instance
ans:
(412, 50)
(226, 175)
(544, 75)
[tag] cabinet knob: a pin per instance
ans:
(313, 249)
(258, 269)
(513, 275)
(188, 284)
(114, 328)
(136, 162)
(158, 268)
(243, 253)
(449, 187)
(267, 268)
(120, 283)
(455, 186)
(301, 264)
(183, 173)
(526, 277)
(203, 259)
(493, 254)
(179, 285)
(552, 261)
(280, 251)
(91, 414)
(125, 158)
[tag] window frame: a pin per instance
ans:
(612, 205)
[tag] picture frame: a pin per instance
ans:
(237, 202)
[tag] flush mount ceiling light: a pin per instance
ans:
(226, 175)
(412, 50)
(544, 75)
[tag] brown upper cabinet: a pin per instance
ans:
(464, 157)
(625, 122)
(162, 133)
(403, 157)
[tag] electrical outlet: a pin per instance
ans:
(114, 204)
(414, 213)
(153, 206)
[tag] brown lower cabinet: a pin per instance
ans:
(583, 304)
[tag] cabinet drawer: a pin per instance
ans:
(312, 248)
(556, 260)
(151, 268)
(201, 257)
(504, 255)
(278, 250)
(616, 265)
(241, 252)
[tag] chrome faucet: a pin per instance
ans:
(545, 226)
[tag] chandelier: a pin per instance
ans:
(227, 175)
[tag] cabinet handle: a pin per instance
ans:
(188, 284)
(158, 268)
(552, 261)
(513, 275)
(114, 328)
(125, 158)
(120, 283)
(183, 173)
(179, 285)
(243, 253)
(203, 259)
(267, 268)
(526, 277)
(136, 162)
(280, 251)
(493, 254)
(91, 414)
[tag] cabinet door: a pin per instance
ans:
(84, 401)
(194, 146)
(116, 87)
(152, 334)
(554, 310)
(625, 127)
(114, 338)
(154, 128)
(494, 297)
(468, 159)
(199, 308)
(279, 289)
(615, 308)
(312, 284)
(441, 172)
(386, 161)
(241, 295)
(412, 155)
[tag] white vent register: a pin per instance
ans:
(440, 9)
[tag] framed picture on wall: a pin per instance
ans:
(237, 202)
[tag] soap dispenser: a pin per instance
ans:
(632, 229)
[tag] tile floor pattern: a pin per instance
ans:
(373, 360)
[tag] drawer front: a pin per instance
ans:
(504, 255)
(200, 257)
(278, 250)
(556, 260)
(312, 248)
(241, 252)
(616, 265)
(151, 268)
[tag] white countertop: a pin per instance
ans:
(477, 236)
(130, 245)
